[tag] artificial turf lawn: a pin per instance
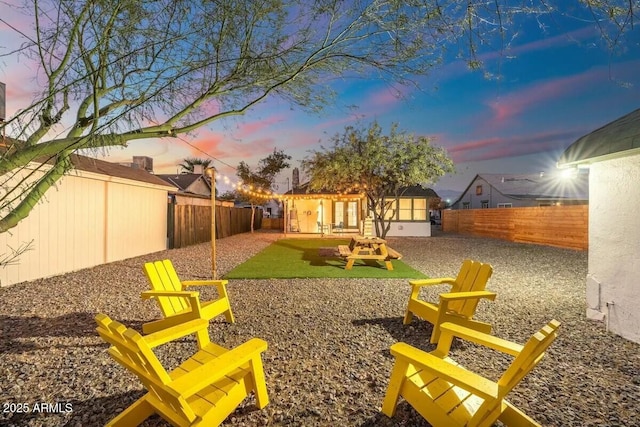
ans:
(299, 258)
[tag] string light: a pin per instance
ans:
(267, 194)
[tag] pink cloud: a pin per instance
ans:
(372, 104)
(210, 143)
(14, 21)
(502, 147)
(572, 37)
(518, 102)
(329, 124)
(247, 129)
(300, 141)
(458, 68)
(228, 150)
(211, 107)
(20, 86)
(386, 97)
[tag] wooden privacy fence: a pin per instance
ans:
(273, 223)
(562, 226)
(191, 224)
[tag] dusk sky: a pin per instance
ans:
(538, 95)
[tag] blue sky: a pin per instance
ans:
(535, 97)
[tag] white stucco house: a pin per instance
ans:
(612, 154)
(322, 212)
(495, 190)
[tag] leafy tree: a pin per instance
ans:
(257, 182)
(114, 71)
(190, 163)
(228, 195)
(381, 166)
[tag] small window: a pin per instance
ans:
(466, 205)
(485, 204)
(419, 209)
(478, 190)
(404, 209)
(505, 205)
(391, 212)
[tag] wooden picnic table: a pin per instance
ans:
(365, 248)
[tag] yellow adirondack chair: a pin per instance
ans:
(459, 304)
(447, 394)
(178, 305)
(202, 391)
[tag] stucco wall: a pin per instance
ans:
(409, 229)
(199, 187)
(614, 245)
(87, 220)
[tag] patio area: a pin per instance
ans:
(328, 361)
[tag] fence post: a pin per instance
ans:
(212, 174)
(171, 215)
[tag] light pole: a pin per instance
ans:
(211, 172)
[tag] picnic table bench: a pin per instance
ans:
(366, 248)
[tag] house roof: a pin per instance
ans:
(539, 186)
(303, 189)
(418, 191)
(183, 180)
(619, 138)
(89, 164)
(412, 191)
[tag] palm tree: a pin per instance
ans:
(190, 162)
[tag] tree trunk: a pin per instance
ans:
(253, 215)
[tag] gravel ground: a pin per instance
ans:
(328, 361)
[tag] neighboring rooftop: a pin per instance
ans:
(611, 140)
(89, 164)
(183, 180)
(539, 186)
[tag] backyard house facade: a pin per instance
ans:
(100, 212)
(612, 155)
(410, 213)
(330, 213)
(322, 212)
(510, 191)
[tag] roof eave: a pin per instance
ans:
(589, 160)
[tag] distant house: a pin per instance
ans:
(192, 183)
(326, 212)
(612, 155)
(270, 209)
(510, 191)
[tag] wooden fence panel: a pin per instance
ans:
(562, 226)
(192, 224)
(273, 223)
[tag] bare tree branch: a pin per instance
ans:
(120, 70)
